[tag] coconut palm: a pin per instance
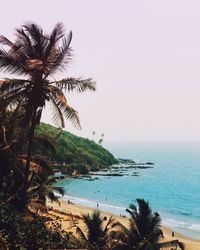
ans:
(101, 139)
(93, 135)
(144, 232)
(38, 56)
(147, 230)
(96, 235)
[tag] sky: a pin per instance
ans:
(143, 55)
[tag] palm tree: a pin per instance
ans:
(97, 235)
(93, 135)
(148, 231)
(144, 231)
(101, 139)
(38, 56)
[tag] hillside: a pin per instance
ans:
(74, 152)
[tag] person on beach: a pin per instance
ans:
(97, 205)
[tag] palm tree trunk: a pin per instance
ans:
(30, 143)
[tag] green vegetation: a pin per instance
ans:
(144, 230)
(30, 232)
(25, 178)
(36, 56)
(97, 231)
(75, 153)
(25, 172)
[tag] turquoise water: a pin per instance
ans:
(172, 187)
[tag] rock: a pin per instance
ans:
(149, 163)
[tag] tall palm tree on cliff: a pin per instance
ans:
(38, 56)
(93, 135)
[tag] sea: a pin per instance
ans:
(172, 186)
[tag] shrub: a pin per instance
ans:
(32, 231)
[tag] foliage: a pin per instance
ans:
(31, 232)
(25, 178)
(76, 152)
(147, 224)
(144, 232)
(38, 56)
(97, 235)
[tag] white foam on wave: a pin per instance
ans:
(171, 223)
(181, 224)
(92, 204)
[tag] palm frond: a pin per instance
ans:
(144, 225)
(71, 115)
(94, 227)
(55, 36)
(110, 221)
(80, 85)
(172, 243)
(181, 245)
(68, 112)
(132, 212)
(42, 164)
(56, 91)
(121, 246)
(122, 229)
(9, 63)
(60, 56)
(58, 118)
(6, 41)
(11, 98)
(80, 233)
(24, 42)
(13, 120)
(35, 204)
(59, 190)
(7, 85)
(51, 196)
(39, 39)
(57, 33)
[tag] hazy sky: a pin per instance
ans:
(144, 56)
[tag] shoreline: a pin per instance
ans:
(74, 209)
(117, 210)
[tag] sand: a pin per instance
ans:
(72, 220)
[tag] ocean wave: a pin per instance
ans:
(117, 210)
(93, 204)
(172, 223)
(184, 213)
(181, 224)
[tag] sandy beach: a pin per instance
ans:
(70, 222)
